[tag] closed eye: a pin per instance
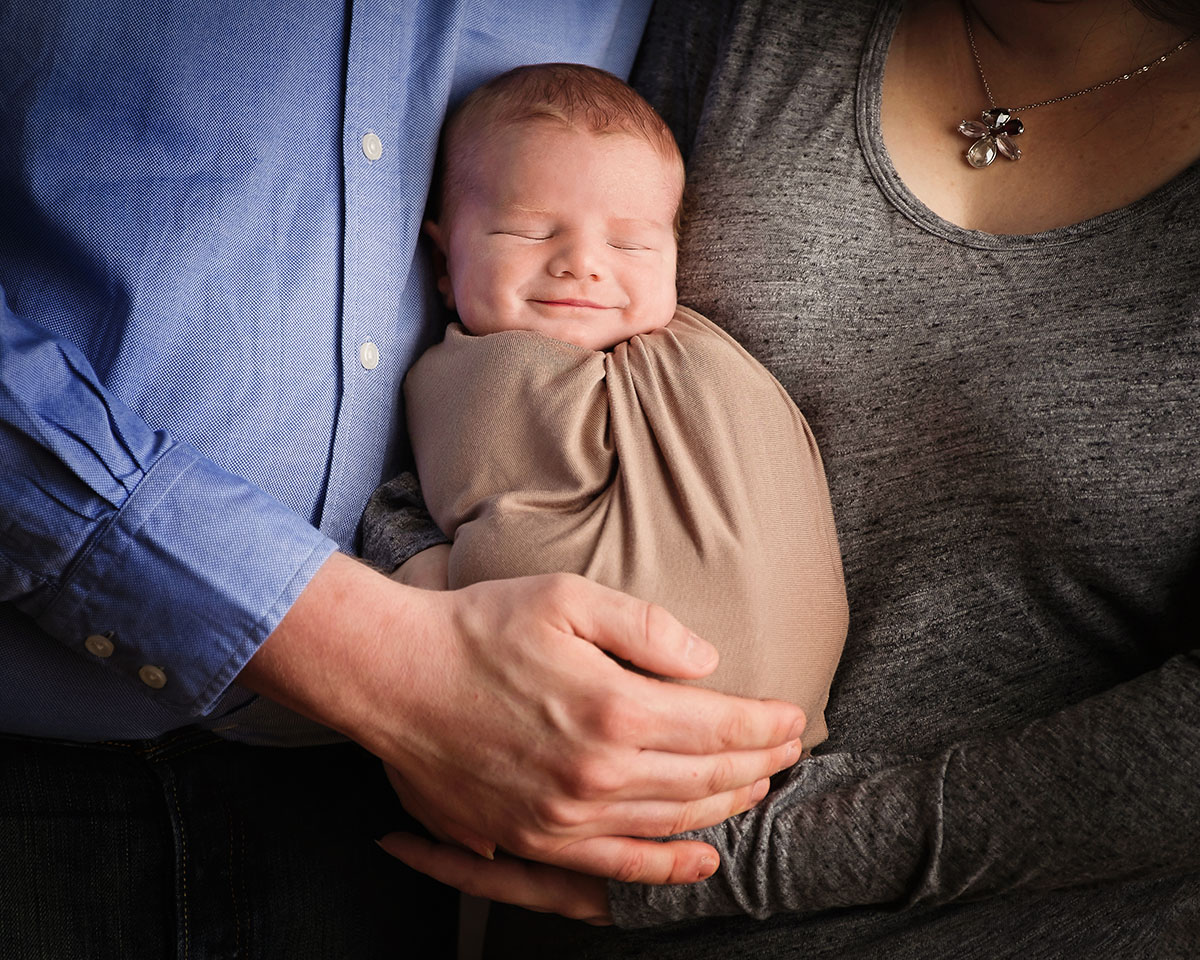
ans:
(620, 245)
(523, 234)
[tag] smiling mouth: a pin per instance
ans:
(570, 302)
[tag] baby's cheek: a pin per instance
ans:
(664, 306)
(486, 313)
(477, 304)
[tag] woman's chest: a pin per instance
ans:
(1011, 435)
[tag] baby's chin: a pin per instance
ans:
(575, 327)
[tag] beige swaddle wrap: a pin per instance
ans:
(674, 468)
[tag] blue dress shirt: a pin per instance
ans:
(209, 293)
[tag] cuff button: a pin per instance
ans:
(98, 645)
(152, 676)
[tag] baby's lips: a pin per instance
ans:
(572, 302)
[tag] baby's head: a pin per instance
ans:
(559, 197)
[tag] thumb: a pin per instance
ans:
(642, 633)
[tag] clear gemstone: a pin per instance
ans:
(997, 116)
(1007, 147)
(973, 128)
(982, 152)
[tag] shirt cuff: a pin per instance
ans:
(191, 576)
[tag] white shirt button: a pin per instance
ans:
(368, 355)
(98, 645)
(372, 146)
(152, 677)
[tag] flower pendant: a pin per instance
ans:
(992, 134)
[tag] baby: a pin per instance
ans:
(576, 419)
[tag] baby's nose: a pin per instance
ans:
(579, 259)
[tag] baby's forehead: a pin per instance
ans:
(543, 125)
(474, 150)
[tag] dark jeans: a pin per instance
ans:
(195, 848)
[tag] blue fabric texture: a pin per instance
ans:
(194, 249)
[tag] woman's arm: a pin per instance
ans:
(396, 526)
(1104, 790)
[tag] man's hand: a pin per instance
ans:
(510, 725)
(534, 886)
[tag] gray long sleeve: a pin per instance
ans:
(980, 818)
(396, 525)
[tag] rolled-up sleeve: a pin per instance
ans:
(156, 567)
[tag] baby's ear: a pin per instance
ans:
(441, 269)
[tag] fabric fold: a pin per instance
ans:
(674, 468)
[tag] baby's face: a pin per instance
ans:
(564, 232)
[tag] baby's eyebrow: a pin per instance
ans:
(636, 222)
(524, 208)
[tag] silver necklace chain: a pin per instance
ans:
(1120, 78)
(996, 127)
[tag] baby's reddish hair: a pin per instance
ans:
(572, 94)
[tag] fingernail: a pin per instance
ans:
(476, 844)
(795, 748)
(760, 790)
(798, 728)
(708, 866)
(699, 652)
(483, 848)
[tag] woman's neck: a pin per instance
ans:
(1037, 49)
(1081, 156)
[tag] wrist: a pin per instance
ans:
(323, 659)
